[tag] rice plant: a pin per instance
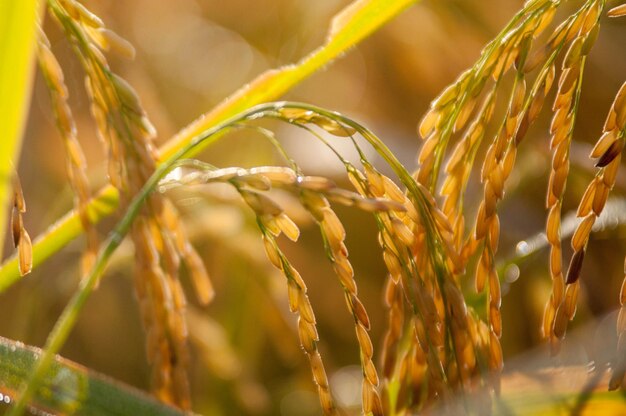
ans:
(436, 227)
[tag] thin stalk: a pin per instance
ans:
(350, 26)
(70, 314)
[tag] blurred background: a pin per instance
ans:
(191, 54)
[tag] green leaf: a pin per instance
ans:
(70, 388)
(18, 21)
(348, 28)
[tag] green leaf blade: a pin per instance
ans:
(18, 23)
(71, 389)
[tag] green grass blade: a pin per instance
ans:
(349, 27)
(70, 388)
(18, 22)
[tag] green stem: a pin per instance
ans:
(70, 314)
(350, 26)
(18, 23)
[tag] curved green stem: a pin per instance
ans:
(70, 314)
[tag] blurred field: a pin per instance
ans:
(191, 54)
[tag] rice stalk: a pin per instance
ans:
(583, 31)
(159, 239)
(76, 165)
(353, 24)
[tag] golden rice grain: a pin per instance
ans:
(590, 39)
(495, 352)
(581, 235)
(555, 260)
(17, 226)
(294, 275)
(365, 343)
(586, 201)
(614, 149)
(495, 296)
(494, 233)
(357, 179)
(609, 174)
(315, 183)
(573, 54)
(602, 145)
(458, 155)
(359, 310)
(553, 225)
(559, 178)
(393, 265)
(377, 406)
(560, 322)
(481, 277)
(571, 296)
(308, 335)
(617, 11)
(293, 295)
(575, 266)
(428, 122)
(619, 105)
(558, 289)
(332, 226)
(272, 252)
(111, 41)
(170, 257)
(326, 401)
(199, 277)
(375, 180)
(401, 231)
(575, 26)
(287, 226)
(446, 97)
(511, 123)
(80, 12)
(545, 19)
(344, 271)
(333, 127)
(464, 114)
(548, 319)
(560, 155)
(450, 187)
(591, 18)
(393, 191)
(534, 59)
(276, 174)
(600, 197)
(562, 134)
(428, 148)
(495, 320)
(611, 121)
(369, 371)
(305, 308)
(25, 253)
(518, 97)
(317, 367)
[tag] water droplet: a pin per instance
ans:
(512, 272)
(522, 248)
(346, 385)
